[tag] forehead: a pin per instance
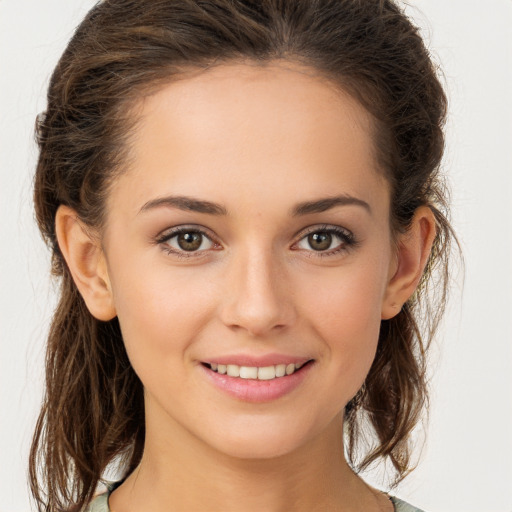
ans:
(263, 128)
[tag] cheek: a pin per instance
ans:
(347, 317)
(157, 309)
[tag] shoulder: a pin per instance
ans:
(100, 502)
(402, 506)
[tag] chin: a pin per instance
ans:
(260, 449)
(264, 441)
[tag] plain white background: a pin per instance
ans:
(466, 465)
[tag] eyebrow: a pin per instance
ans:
(324, 204)
(185, 203)
(201, 206)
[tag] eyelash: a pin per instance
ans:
(346, 237)
(163, 241)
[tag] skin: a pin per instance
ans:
(257, 141)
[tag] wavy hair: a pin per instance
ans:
(93, 409)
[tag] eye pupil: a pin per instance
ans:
(320, 241)
(190, 241)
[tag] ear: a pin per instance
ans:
(414, 248)
(86, 262)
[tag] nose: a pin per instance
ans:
(258, 297)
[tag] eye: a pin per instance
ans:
(326, 240)
(185, 240)
(190, 241)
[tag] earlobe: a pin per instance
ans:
(86, 262)
(413, 252)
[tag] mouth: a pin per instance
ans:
(254, 379)
(264, 373)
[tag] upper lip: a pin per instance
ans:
(258, 361)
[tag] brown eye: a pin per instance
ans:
(320, 241)
(190, 241)
(327, 241)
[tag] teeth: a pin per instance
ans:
(280, 370)
(248, 372)
(267, 373)
(233, 370)
(254, 372)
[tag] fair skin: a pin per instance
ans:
(268, 275)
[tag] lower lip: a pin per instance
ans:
(257, 391)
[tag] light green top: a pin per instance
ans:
(100, 503)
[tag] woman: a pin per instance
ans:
(243, 203)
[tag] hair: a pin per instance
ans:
(93, 409)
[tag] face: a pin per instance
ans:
(250, 235)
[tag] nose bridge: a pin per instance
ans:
(256, 296)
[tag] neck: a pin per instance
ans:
(187, 475)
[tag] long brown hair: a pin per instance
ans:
(93, 408)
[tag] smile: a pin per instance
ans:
(256, 379)
(256, 372)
